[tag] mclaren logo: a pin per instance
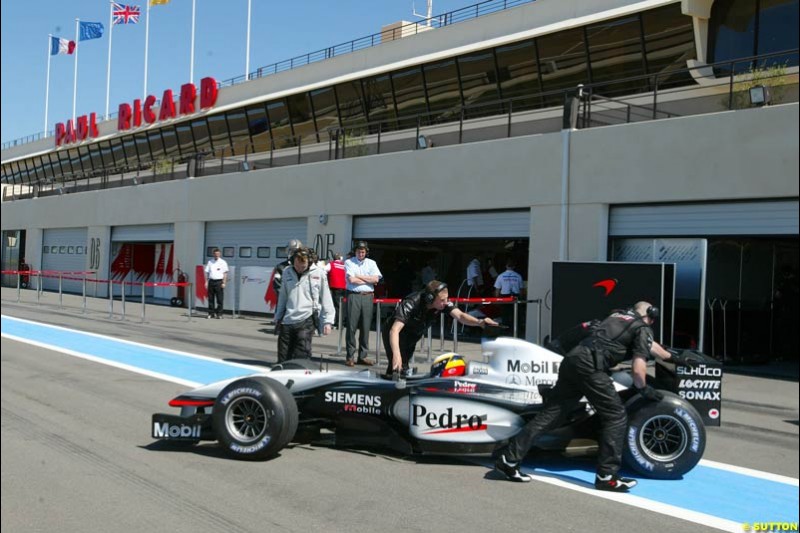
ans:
(607, 285)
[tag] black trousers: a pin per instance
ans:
(578, 377)
(216, 297)
(359, 318)
(294, 341)
(408, 343)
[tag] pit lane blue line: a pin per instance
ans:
(200, 370)
(721, 493)
(732, 496)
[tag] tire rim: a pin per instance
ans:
(246, 420)
(663, 438)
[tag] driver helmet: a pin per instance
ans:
(448, 365)
(293, 245)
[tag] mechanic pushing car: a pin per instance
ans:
(412, 317)
(585, 372)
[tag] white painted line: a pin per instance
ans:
(88, 357)
(752, 473)
(132, 343)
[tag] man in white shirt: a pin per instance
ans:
(475, 276)
(216, 279)
(362, 274)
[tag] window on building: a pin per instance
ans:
(444, 93)
(107, 155)
(262, 252)
(351, 107)
(156, 143)
(220, 139)
(130, 151)
(562, 63)
(519, 74)
(239, 131)
(479, 83)
(325, 111)
(96, 157)
(202, 137)
(379, 102)
(171, 146)
(668, 44)
(777, 31)
(732, 34)
(118, 151)
(259, 127)
(245, 251)
(302, 118)
(142, 146)
(228, 251)
(615, 53)
(280, 124)
(185, 139)
(409, 92)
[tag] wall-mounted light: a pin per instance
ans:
(323, 219)
(422, 142)
(759, 95)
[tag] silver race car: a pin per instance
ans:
(460, 407)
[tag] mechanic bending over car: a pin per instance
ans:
(585, 372)
(304, 306)
(411, 319)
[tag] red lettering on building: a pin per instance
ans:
(83, 127)
(188, 95)
(124, 119)
(208, 92)
(149, 116)
(167, 106)
(137, 113)
(71, 137)
(61, 133)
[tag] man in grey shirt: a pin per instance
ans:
(304, 305)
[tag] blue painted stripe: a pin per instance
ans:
(728, 495)
(146, 358)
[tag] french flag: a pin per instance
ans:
(61, 46)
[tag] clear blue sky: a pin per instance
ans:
(280, 30)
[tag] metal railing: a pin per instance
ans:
(438, 21)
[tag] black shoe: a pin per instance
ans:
(511, 470)
(217, 317)
(614, 483)
(209, 316)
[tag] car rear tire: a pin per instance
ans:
(254, 418)
(665, 439)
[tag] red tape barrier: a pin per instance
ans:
(55, 274)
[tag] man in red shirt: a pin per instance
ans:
(337, 281)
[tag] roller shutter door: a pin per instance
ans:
(247, 239)
(778, 217)
(474, 225)
(64, 250)
(143, 233)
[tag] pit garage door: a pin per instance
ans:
(473, 225)
(64, 250)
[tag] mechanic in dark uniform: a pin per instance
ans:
(411, 319)
(585, 372)
(291, 247)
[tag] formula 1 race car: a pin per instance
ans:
(460, 407)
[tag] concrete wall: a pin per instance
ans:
(736, 155)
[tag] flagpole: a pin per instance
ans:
(47, 89)
(146, 39)
(108, 69)
(75, 73)
(191, 60)
(247, 58)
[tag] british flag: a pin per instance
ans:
(125, 14)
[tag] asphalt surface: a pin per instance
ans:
(77, 453)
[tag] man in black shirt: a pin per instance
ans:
(585, 372)
(411, 319)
